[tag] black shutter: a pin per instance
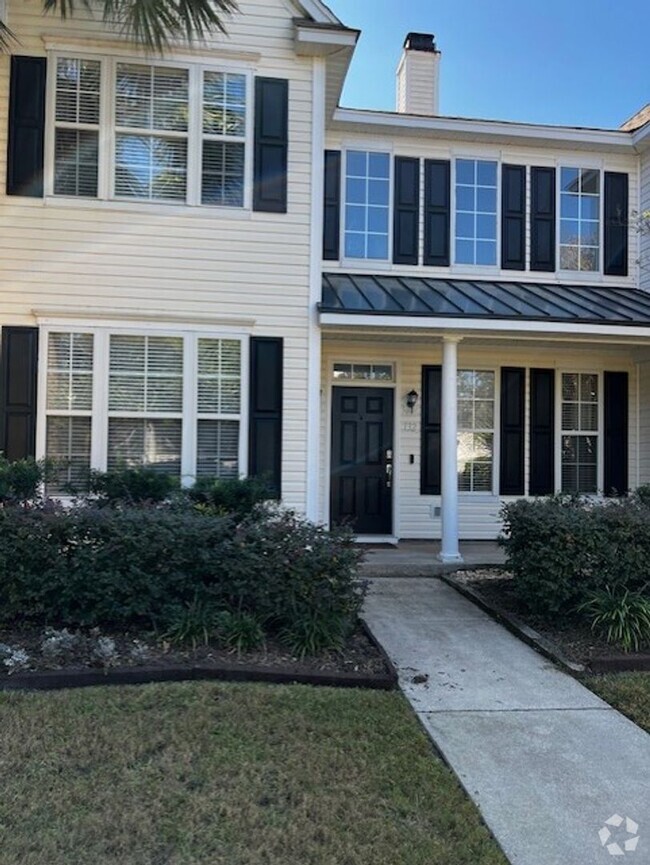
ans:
(616, 433)
(265, 430)
(542, 219)
(406, 219)
(271, 144)
(542, 432)
(19, 363)
(513, 396)
(513, 217)
(332, 206)
(616, 223)
(437, 212)
(26, 126)
(430, 461)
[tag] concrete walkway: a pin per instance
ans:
(420, 558)
(546, 761)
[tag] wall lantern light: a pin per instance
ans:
(412, 398)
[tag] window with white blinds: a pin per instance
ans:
(219, 408)
(145, 402)
(77, 120)
(69, 403)
(151, 123)
(580, 432)
(169, 132)
(170, 402)
(224, 139)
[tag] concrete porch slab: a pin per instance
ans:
(420, 558)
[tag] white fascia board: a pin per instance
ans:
(319, 42)
(477, 326)
(495, 129)
(641, 138)
(318, 11)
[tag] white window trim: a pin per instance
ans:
(100, 412)
(362, 382)
(580, 275)
(600, 474)
(106, 168)
(379, 263)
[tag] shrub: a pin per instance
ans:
(562, 549)
(174, 570)
(621, 615)
(132, 486)
(20, 480)
(242, 632)
(232, 496)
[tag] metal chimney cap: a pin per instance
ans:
(421, 42)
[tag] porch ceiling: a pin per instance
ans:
(461, 302)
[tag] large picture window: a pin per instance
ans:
(170, 133)
(580, 432)
(170, 402)
(476, 413)
(580, 219)
(367, 205)
(476, 212)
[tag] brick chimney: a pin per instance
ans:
(418, 75)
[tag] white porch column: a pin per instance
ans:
(449, 446)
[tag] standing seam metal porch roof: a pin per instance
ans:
(461, 298)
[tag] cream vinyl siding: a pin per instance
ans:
(140, 258)
(644, 251)
(430, 148)
(479, 512)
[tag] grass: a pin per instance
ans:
(628, 692)
(218, 774)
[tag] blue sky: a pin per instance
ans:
(575, 62)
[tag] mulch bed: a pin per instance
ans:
(69, 658)
(574, 640)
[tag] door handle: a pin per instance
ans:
(389, 468)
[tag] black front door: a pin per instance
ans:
(362, 459)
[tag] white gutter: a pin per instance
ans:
(391, 121)
(523, 327)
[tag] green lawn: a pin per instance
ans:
(217, 774)
(628, 692)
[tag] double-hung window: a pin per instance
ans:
(367, 205)
(476, 413)
(151, 132)
(580, 432)
(76, 127)
(580, 219)
(171, 402)
(476, 212)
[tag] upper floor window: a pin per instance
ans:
(177, 133)
(367, 205)
(476, 212)
(580, 219)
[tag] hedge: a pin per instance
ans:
(562, 549)
(137, 567)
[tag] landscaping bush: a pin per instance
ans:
(175, 570)
(20, 480)
(232, 496)
(562, 549)
(622, 616)
(132, 486)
